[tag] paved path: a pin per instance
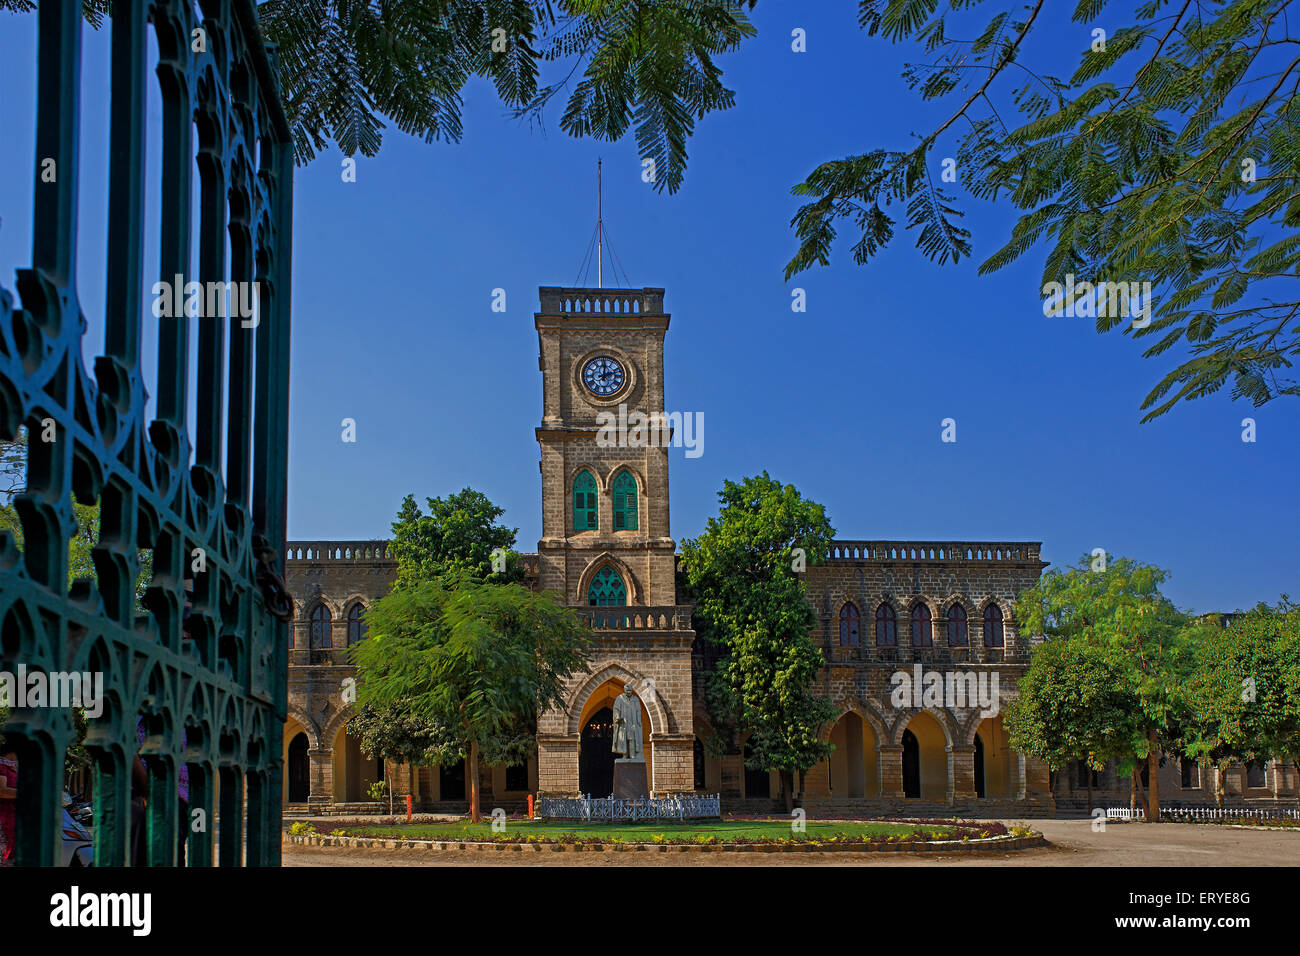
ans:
(1073, 844)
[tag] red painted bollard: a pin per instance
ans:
(530, 806)
(408, 808)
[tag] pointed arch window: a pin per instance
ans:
(584, 502)
(849, 621)
(625, 502)
(886, 626)
(356, 624)
(607, 589)
(957, 626)
(320, 627)
(921, 636)
(993, 626)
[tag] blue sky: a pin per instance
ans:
(393, 327)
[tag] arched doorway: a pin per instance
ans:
(853, 767)
(595, 756)
(925, 759)
(596, 740)
(995, 762)
(911, 766)
(299, 769)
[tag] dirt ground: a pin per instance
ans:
(1073, 843)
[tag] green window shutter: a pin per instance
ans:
(625, 517)
(584, 502)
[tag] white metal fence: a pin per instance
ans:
(1240, 813)
(1194, 814)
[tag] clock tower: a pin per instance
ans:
(606, 545)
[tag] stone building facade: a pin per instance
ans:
(887, 611)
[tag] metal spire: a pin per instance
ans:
(600, 229)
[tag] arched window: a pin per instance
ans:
(584, 502)
(992, 626)
(607, 589)
(356, 624)
(886, 626)
(849, 619)
(921, 636)
(957, 626)
(320, 628)
(624, 502)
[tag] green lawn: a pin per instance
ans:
(722, 831)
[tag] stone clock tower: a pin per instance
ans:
(606, 545)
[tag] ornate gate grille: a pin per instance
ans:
(208, 682)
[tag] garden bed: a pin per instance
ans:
(753, 835)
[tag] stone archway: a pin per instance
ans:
(298, 741)
(925, 754)
(1000, 762)
(854, 768)
(656, 718)
(595, 720)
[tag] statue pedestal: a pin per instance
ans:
(630, 779)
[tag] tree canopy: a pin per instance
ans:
(1116, 690)
(473, 663)
(1170, 155)
(459, 536)
(751, 604)
(1244, 692)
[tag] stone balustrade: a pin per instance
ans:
(557, 300)
(1015, 552)
(664, 618)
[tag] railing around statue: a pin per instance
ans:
(199, 669)
(685, 806)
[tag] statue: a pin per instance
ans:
(627, 725)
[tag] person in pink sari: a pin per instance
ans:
(8, 808)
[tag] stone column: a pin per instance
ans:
(1037, 776)
(557, 764)
(320, 764)
(673, 764)
(961, 774)
(398, 775)
(891, 771)
(817, 781)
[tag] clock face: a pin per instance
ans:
(603, 376)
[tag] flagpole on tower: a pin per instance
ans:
(600, 228)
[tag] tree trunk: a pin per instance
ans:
(1153, 772)
(787, 785)
(1220, 786)
(1139, 791)
(474, 815)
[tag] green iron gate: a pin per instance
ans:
(209, 682)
